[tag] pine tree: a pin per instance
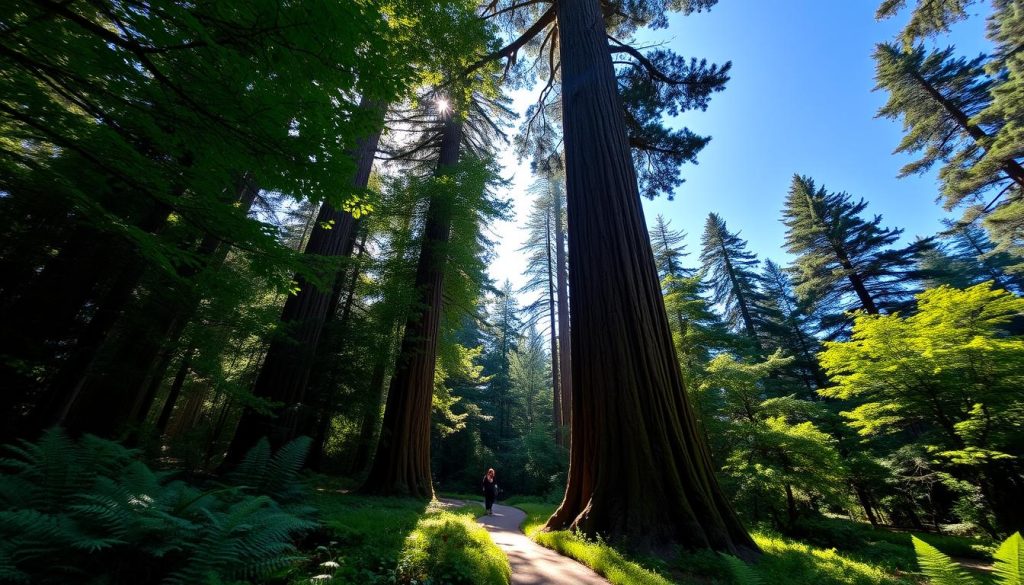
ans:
(731, 272)
(696, 329)
(937, 94)
(844, 262)
(788, 327)
(949, 112)
(965, 256)
(542, 271)
(1006, 114)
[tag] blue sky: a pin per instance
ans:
(800, 101)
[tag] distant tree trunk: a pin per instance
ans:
(288, 364)
(741, 300)
(324, 381)
(856, 280)
(564, 337)
(402, 463)
(639, 469)
(557, 422)
(791, 511)
(865, 503)
(371, 413)
(175, 392)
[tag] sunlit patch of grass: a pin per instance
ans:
(450, 547)
(789, 561)
(602, 558)
(377, 540)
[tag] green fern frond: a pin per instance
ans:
(253, 467)
(742, 573)
(1009, 561)
(282, 474)
(940, 569)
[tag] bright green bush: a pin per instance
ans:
(452, 549)
(89, 511)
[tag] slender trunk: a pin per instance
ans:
(288, 364)
(741, 300)
(371, 414)
(324, 381)
(791, 511)
(175, 392)
(556, 417)
(865, 503)
(402, 463)
(564, 336)
(639, 469)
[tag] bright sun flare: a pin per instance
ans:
(442, 105)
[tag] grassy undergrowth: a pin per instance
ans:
(831, 551)
(371, 541)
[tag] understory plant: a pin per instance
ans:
(90, 511)
(942, 570)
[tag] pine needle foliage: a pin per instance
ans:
(90, 511)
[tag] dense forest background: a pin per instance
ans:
(236, 229)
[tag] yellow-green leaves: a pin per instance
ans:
(951, 366)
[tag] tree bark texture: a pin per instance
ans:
(289, 362)
(401, 465)
(639, 470)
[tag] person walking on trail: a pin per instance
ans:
(490, 488)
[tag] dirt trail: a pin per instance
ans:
(532, 564)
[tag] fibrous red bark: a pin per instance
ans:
(639, 470)
(401, 465)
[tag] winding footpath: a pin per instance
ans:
(532, 564)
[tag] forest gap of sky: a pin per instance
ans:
(800, 100)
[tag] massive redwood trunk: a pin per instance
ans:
(564, 338)
(289, 362)
(639, 469)
(402, 463)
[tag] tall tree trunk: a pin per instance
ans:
(564, 336)
(639, 469)
(557, 422)
(286, 369)
(402, 463)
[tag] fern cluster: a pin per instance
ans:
(942, 570)
(89, 511)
